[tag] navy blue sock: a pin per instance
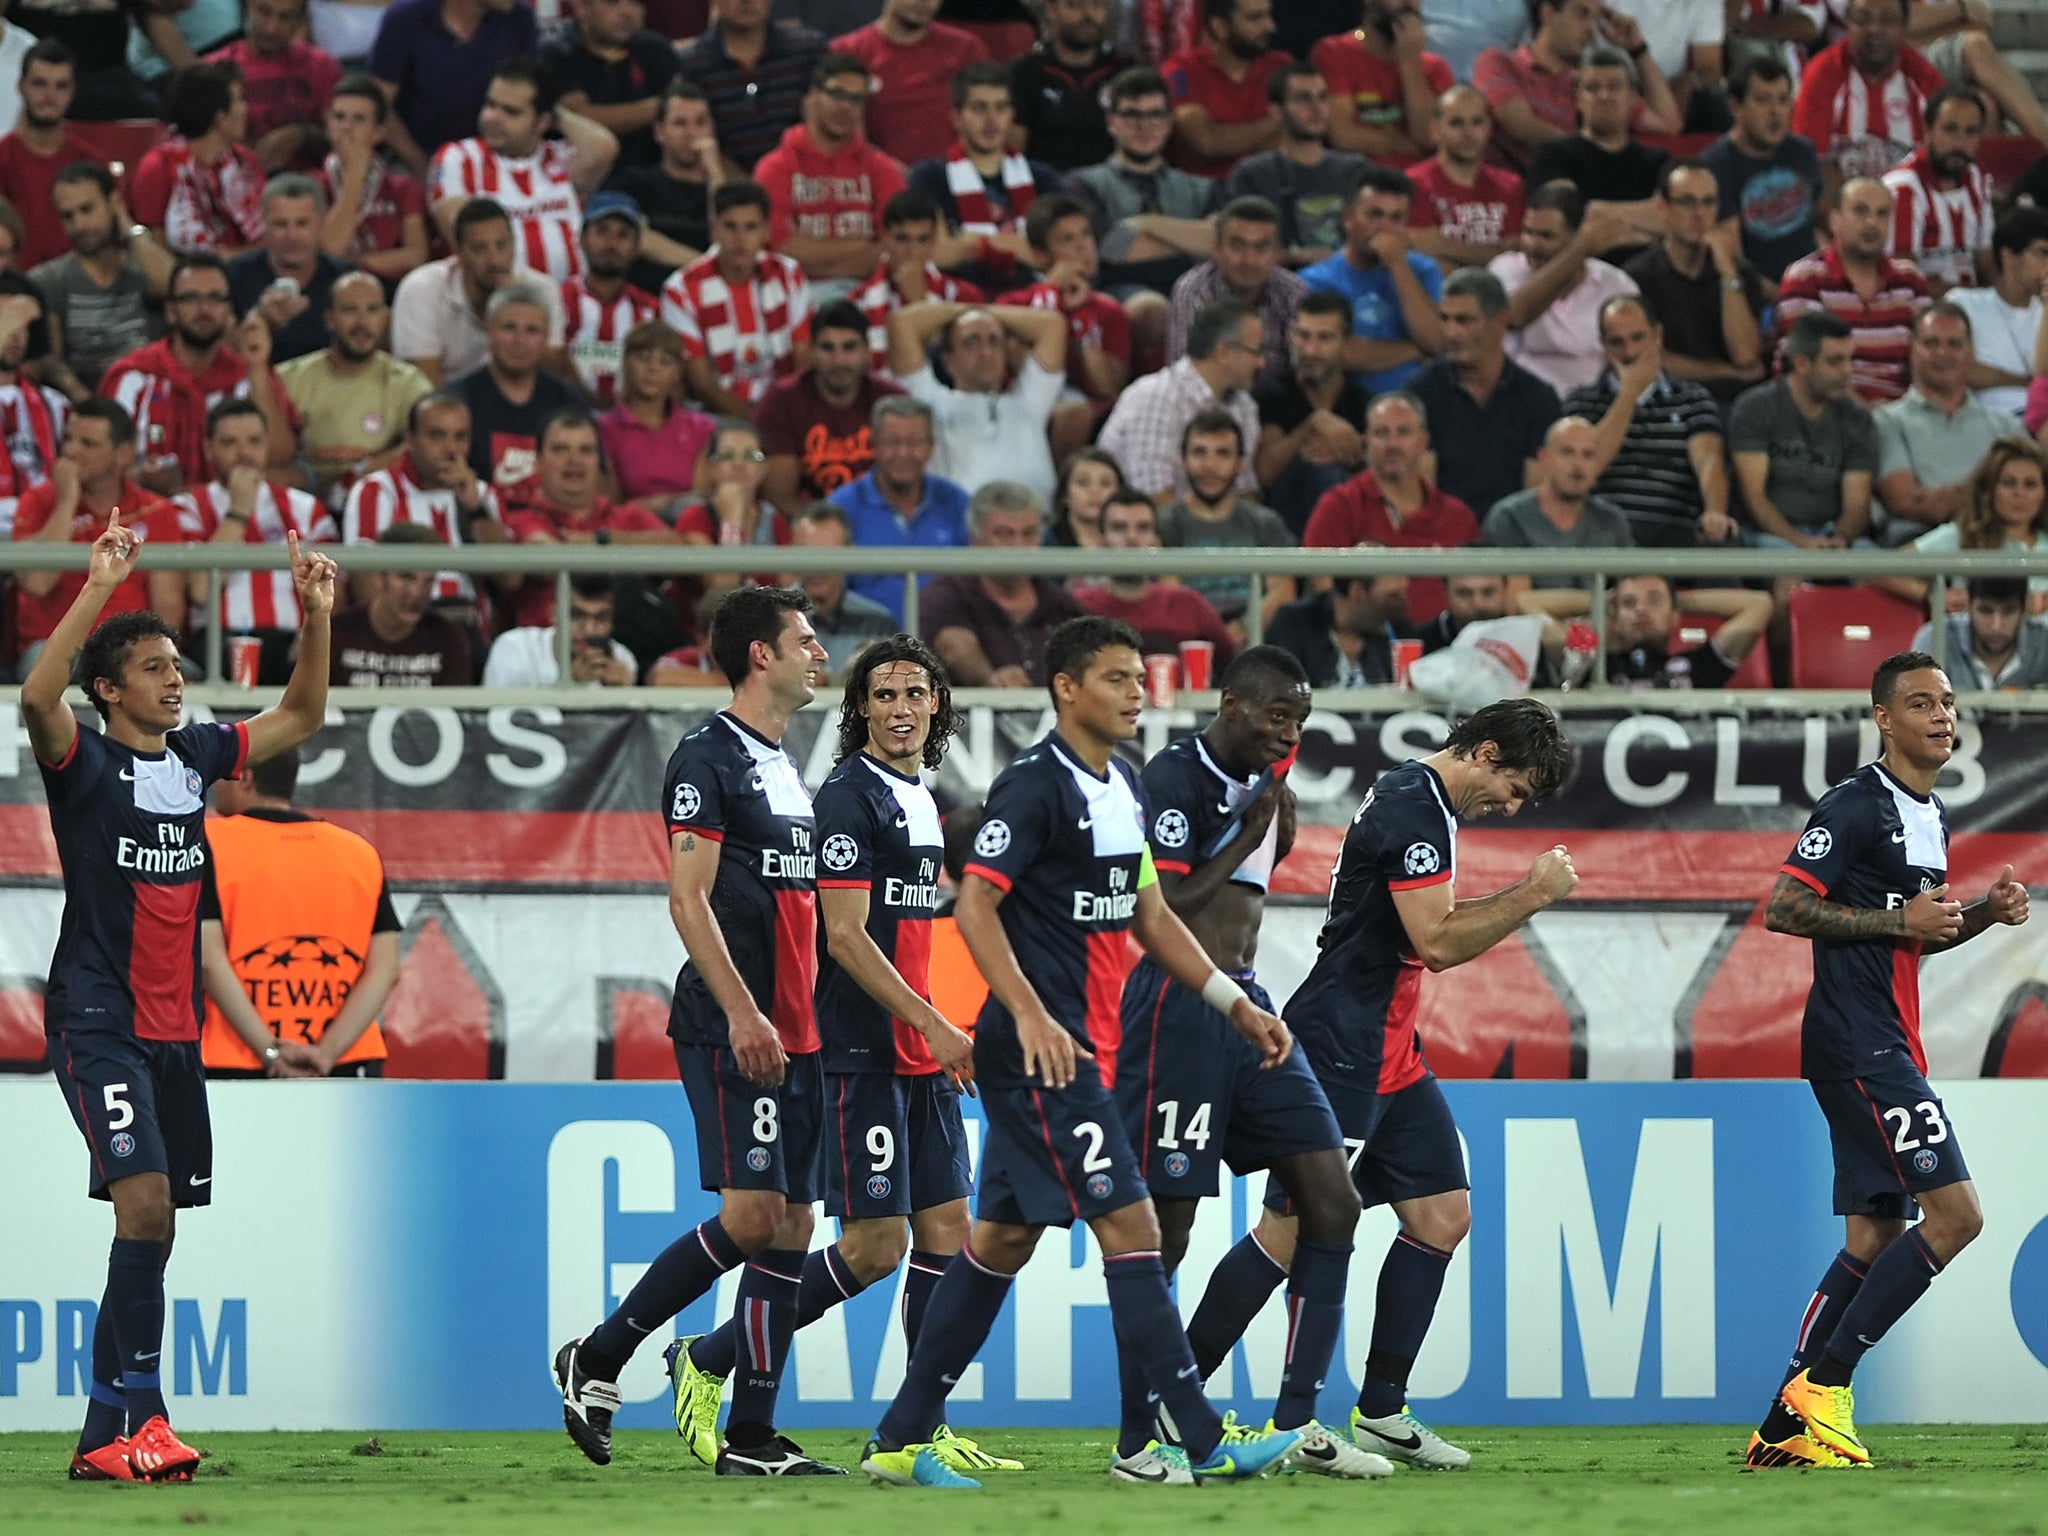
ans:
(1242, 1282)
(1411, 1280)
(106, 1406)
(828, 1280)
(765, 1313)
(135, 1297)
(1315, 1314)
(680, 1273)
(1838, 1287)
(1898, 1277)
(963, 1309)
(919, 1281)
(1149, 1329)
(1138, 1404)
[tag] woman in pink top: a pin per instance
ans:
(653, 441)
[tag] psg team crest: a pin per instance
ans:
(1924, 1161)
(1176, 1165)
(757, 1159)
(1100, 1184)
(878, 1187)
(194, 785)
(122, 1143)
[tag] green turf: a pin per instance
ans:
(1665, 1480)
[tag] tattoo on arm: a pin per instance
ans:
(1976, 918)
(1796, 908)
(688, 844)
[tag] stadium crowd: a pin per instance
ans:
(1171, 274)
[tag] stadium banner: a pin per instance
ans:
(527, 854)
(407, 1256)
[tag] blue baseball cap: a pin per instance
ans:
(612, 205)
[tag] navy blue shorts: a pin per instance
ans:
(894, 1144)
(750, 1137)
(1193, 1094)
(141, 1105)
(1401, 1146)
(1055, 1156)
(1892, 1139)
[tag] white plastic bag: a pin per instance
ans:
(1490, 660)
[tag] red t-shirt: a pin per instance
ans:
(1163, 617)
(1373, 84)
(150, 516)
(910, 106)
(832, 444)
(821, 196)
(1195, 79)
(1489, 212)
(170, 405)
(293, 89)
(533, 604)
(28, 181)
(1099, 322)
(389, 199)
(1356, 513)
(216, 207)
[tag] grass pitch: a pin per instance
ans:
(1981, 1479)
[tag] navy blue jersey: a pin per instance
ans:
(131, 838)
(1355, 1014)
(1196, 807)
(1067, 848)
(729, 783)
(878, 831)
(1871, 843)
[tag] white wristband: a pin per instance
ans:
(1221, 993)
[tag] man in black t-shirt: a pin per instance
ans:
(675, 190)
(1601, 159)
(1058, 86)
(512, 394)
(612, 69)
(1312, 418)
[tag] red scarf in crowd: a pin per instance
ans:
(970, 193)
(35, 415)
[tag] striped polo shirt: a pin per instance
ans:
(1651, 477)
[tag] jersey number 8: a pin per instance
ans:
(764, 1119)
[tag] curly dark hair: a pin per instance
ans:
(853, 725)
(107, 649)
(1528, 738)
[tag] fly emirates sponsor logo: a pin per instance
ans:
(799, 864)
(921, 894)
(170, 856)
(1119, 906)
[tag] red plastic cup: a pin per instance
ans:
(1406, 654)
(1162, 681)
(244, 654)
(1197, 660)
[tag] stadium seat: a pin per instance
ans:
(1005, 40)
(444, 1019)
(23, 1047)
(632, 1031)
(1840, 634)
(1698, 628)
(124, 142)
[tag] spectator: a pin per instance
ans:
(1533, 90)
(241, 505)
(843, 620)
(1556, 285)
(201, 190)
(1246, 267)
(1312, 422)
(1642, 617)
(376, 215)
(2005, 507)
(437, 319)
(512, 394)
(653, 441)
(827, 185)
(743, 311)
(1931, 439)
(1302, 177)
(1602, 160)
(1211, 515)
(540, 182)
(1561, 511)
(1151, 219)
(754, 72)
(898, 502)
(1086, 481)
(1769, 178)
(1393, 290)
(167, 39)
(991, 631)
(570, 507)
(912, 59)
(31, 415)
(1992, 643)
(1383, 83)
(102, 299)
(1685, 39)
(288, 279)
(1220, 111)
(1164, 613)
(1489, 413)
(1467, 600)
(1344, 637)
(436, 59)
(1390, 503)
(1058, 87)
(16, 284)
(288, 82)
(395, 639)
(1062, 244)
(430, 485)
(1696, 275)
(1941, 200)
(675, 190)
(1661, 456)
(39, 147)
(524, 657)
(91, 480)
(601, 306)
(906, 274)
(168, 385)
(991, 426)
(612, 70)
(731, 510)
(815, 424)
(983, 189)
(1464, 211)
(1853, 280)
(2005, 315)
(1144, 431)
(1461, 30)
(352, 398)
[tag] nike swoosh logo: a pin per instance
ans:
(141, 1359)
(1156, 1475)
(1898, 837)
(199, 1183)
(1186, 1373)
(1867, 1343)
(1087, 822)
(951, 1381)
(125, 776)
(1412, 1443)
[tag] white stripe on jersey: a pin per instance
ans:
(1257, 869)
(536, 192)
(257, 599)
(1114, 820)
(377, 501)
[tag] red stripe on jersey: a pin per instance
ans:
(1400, 1056)
(1105, 996)
(72, 752)
(704, 832)
(1906, 994)
(1152, 1078)
(241, 749)
(845, 885)
(1416, 885)
(1884, 1133)
(1166, 867)
(160, 960)
(1052, 1152)
(725, 1142)
(839, 1114)
(994, 877)
(1803, 878)
(796, 971)
(913, 962)
(84, 1119)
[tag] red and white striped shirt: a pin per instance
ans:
(33, 426)
(596, 333)
(1864, 126)
(395, 495)
(257, 599)
(1941, 229)
(878, 298)
(544, 205)
(749, 333)
(1883, 323)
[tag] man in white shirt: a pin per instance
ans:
(2005, 318)
(1685, 39)
(437, 319)
(525, 657)
(984, 431)
(1556, 286)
